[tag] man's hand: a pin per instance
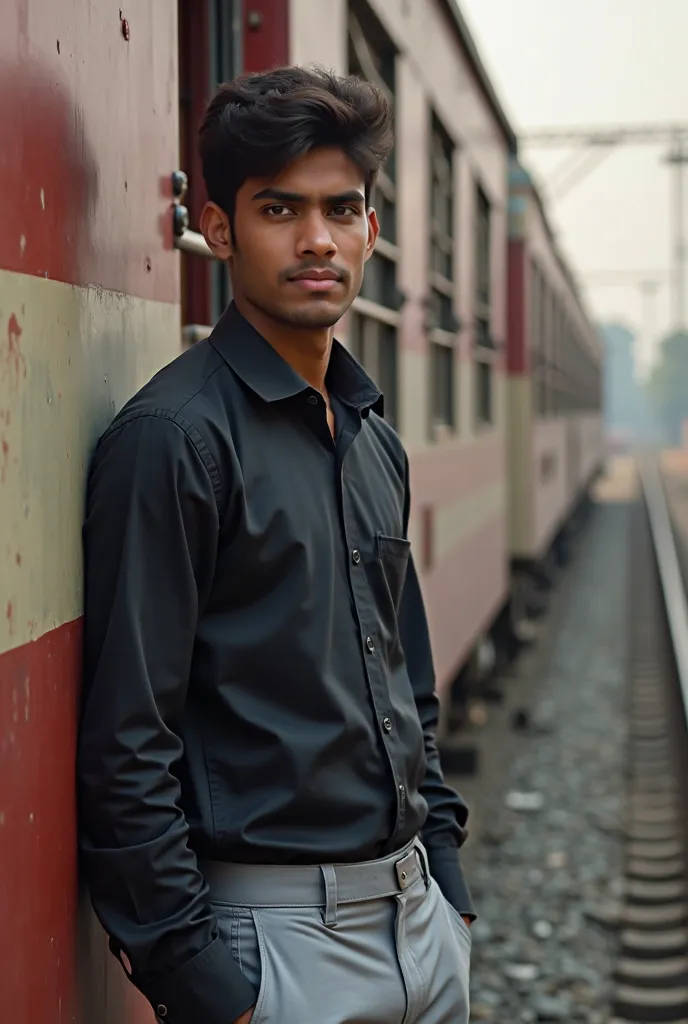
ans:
(245, 1017)
(467, 920)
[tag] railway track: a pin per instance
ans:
(651, 977)
(581, 884)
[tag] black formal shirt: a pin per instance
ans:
(259, 684)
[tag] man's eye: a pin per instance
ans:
(345, 211)
(277, 210)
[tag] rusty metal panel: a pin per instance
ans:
(88, 122)
(89, 309)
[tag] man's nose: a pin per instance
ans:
(316, 239)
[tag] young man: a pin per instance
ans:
(265, 826)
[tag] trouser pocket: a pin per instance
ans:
(242, 930)
(439, 942)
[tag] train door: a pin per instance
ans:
(210, 51)
(218, 39)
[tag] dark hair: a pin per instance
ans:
(258, 124)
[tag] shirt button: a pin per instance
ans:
(370, 645)
(387, 724)
(313, 399)
(402, 791)
(355, 556)
(161, 1010)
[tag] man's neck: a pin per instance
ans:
(307, 352)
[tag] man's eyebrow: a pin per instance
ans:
(280, 196)
(353, 196)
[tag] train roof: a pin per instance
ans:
(451, 8)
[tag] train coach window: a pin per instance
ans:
(441, 322)
(375, 315)
(484, 405)
(442, 390)
(483, 254)
(548, 466)
(442, 227)
(374, 343)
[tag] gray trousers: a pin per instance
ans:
(372, 943)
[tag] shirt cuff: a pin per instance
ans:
(209, 988)
(445, 868)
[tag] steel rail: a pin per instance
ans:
(673, 585)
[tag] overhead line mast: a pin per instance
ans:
(598, 141)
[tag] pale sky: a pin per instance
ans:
(572, 62)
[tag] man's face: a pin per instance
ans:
(301, 240)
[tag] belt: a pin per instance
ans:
(315, 885)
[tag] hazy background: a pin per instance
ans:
(557, 62)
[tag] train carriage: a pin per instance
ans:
(555, 443)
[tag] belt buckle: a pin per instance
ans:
(407, 870)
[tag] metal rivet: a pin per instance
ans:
(180, 220)
(180, 183)
(403, 876)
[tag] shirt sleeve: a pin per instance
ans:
(445, 827)
(150, 538)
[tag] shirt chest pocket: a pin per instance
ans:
(393, 555)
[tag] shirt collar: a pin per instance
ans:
(271, 378)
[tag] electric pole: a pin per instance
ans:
(678, 158)
(599, 141)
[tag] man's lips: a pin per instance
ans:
(316, 280)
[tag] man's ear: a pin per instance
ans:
(373, 232)
(216, 230)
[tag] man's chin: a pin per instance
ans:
(316, 315)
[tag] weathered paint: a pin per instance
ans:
(89, 289)
(79, 105)
(83, 352)
(38, 883)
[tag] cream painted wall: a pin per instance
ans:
(317, 33)
(71, 392)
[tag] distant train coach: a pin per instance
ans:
(554, 387)
(468, 319)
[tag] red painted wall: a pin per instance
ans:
(79, 104)
(266, 34)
